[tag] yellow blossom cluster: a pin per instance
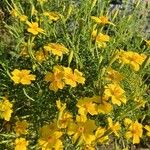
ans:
(63, 75)
(131, 58)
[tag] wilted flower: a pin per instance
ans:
(22, 76)
(5, 109)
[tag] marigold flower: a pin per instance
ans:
(21, 144)
(99, 134)
(56, 49)
(5, 109)
(116, 93)
(56, 78)
(34, 28)
(23, 18)
(54, 16)
(41, 55)
(135, 131)
(86, 104)
(50, 137)
(113, 75)
(114, 127)
(22, 76)
(21, 127)
(64, 117)
(101, 20)
(83, 131)
(148, 130)
(101, 40)
(71, 78)
(132, 58)
(104, 107)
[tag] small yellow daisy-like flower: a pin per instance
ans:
(116, 93)
(113, 75)
(22, 76)
(148, 130)
(21, 127)
(87, 105)
(56, 49)
(99, 134)
(135, 131)
(114, 127)
(34, 28)
(50, 137)
(72, 78)
(41, 55)
(132, 58)
(23, 18)
(82, 130)
(5, 109)
(56, 78)
(21, 144)
(101, 40)
(101, 20)
(14, 13)
(54, 16)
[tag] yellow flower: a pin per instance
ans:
(132, 58)
(21, 144)
(22, 76)
(34, 28)
(56, 49)
(56, 78)
(14, 12)
(113, 75)
(116, 93)
(88, 147)
(86, 104)
(41, 56)
(114, 127)
(82, 131)
(99, 134)
(148, 42)
(101, 40)
(42, 1)
(64, 117)
(104, 107)
(50, 137)
(148, 129)
(127, 121)
(54, 16)
(101, 20)
(23, 18)
(135, 131)
(21, 127)
(71, 78)
(5, 109)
